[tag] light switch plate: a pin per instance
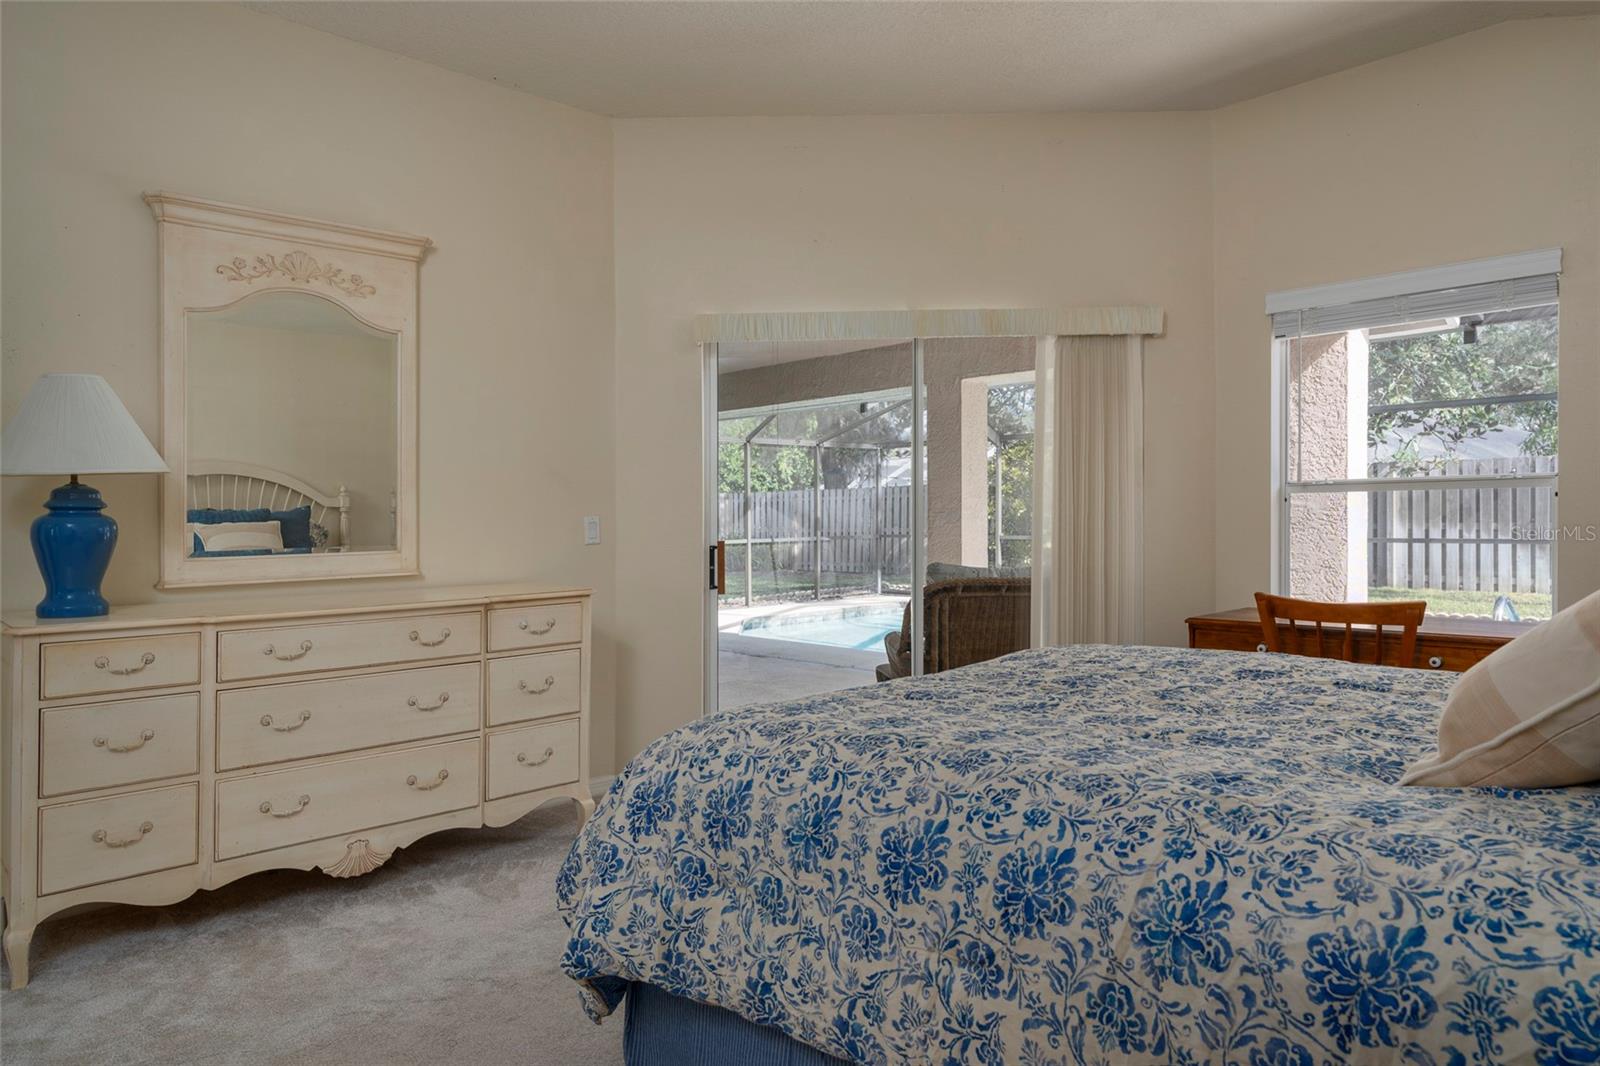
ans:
(591, 529)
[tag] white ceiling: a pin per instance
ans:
(805, 57)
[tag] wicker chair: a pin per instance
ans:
(967, 620)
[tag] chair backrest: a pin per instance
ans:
(1405, 615)
(972, 619)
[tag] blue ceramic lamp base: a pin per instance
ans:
(73, 543)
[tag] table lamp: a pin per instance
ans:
(74, 424)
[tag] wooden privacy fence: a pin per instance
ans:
(1490, 539)
(1481, 539)
(864, 532)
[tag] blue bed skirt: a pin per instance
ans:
(666, 1030)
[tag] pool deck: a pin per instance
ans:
(730, 619)
(755, 670)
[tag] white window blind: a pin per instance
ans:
(1418, 306)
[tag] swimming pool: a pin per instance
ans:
(862, 627)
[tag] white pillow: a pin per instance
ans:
(238, 536)
(1527, 716)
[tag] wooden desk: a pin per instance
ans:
(1442, 643)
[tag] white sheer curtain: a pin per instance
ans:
(1099, 528)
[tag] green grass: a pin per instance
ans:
(1530, 605)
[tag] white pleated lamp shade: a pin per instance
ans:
(75, 424)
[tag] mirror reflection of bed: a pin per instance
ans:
(219, 489)
(291, 416)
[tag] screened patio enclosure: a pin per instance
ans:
(815, 497)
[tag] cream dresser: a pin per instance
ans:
(169, 748)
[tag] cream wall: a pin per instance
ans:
(103, 102)
(1477, 146)
(864, 213)
(558, 374)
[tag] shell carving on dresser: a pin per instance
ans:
(159, 751)
(360, 857)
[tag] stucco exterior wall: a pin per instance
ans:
(1327, 441)
(1318, 544)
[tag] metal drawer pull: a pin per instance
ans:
(266, 808)
(145, 660)
(444, 635)
(144, 738)
(435, 783)
(444, 698)
(266, 720)
(1261, 647)
(1435, 662)
(126, 842)
(549, 683)
(549, 624)
(522, 757)
(305, 646)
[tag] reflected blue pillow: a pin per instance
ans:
(210, 516)
(296, 522)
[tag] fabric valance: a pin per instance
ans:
(1140, 319)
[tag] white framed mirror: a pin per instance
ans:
(289, 388)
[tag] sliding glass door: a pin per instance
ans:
(869, 511)
(813, 515)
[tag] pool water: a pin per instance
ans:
(862, 628)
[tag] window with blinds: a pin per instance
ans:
(1418, 444)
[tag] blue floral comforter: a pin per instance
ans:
(1094, 854)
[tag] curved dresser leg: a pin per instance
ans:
(16, 941)
(585, 807)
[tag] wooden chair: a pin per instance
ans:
(1404, 614)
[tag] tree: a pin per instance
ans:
(1016, 471)
(1508, 359)
(771, 469)
(1011, 418)
(782, 468)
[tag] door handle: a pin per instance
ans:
(717, 567)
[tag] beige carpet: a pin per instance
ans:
(446, 956)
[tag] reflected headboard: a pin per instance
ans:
(232, 485)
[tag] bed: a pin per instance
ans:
(1087, 855)
(225, 484)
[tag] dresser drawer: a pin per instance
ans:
(108, 839)
(275, 810)
(251, 653)
(526, 687)
(122, 743)
(276, 723)
(1225, 638)
(536, 625)
(122, 664)
(525, 760)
